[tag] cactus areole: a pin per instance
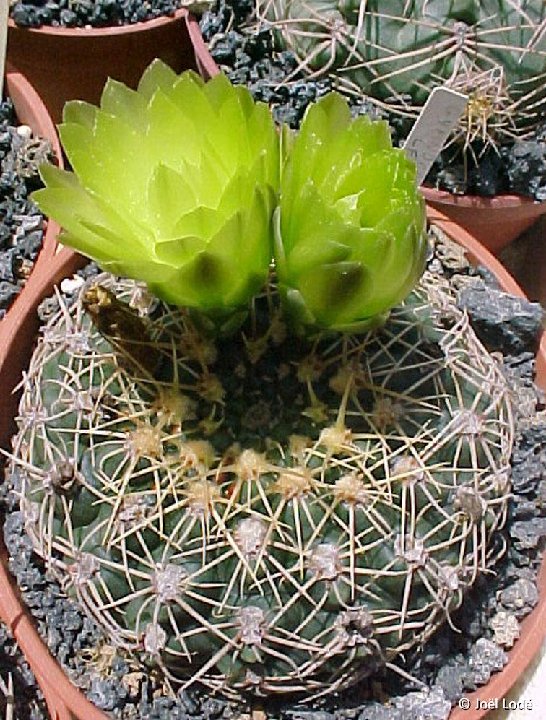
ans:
(246, 509)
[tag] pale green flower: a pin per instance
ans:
(176, 184)
(350, 241)
(173, 184)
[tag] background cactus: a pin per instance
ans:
(257, 514)
(397, 51)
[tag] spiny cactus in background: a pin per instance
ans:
(397, 51)
(256, 514)
(173, 184)
(362, 248)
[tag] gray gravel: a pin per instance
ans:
(28, 703)
(505, 323)
(21, 224)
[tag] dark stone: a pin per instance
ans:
(223, 52)
(309, 715)
(522, 365)
(212, 708)
(8, 293)
(21, 223)
(487, 276)
(486, 657)
(525, 164)
(22, 15)
(524, 509)
(451, 679)
(381, 712)
(187, 701)
(97, 13)
(528, 534)
(30, 244)
(7, 267)
(424, 705)
(106, 694)
(68, 18)
(502, 322)
(488, 177)
(528, 464)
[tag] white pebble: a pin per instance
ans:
(70, 285)
(24, 131)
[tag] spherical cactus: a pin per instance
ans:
(253, 513)
(396, 52)
(256, 514)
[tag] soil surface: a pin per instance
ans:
(94, 13)
(21, 223)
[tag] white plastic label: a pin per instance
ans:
(439, 116)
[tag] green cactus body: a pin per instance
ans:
(396, 52)
(257, 514)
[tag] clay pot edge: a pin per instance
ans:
(56, 31)
(478, 202)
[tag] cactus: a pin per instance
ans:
(259, 515)
(397, 51)
(246, 511)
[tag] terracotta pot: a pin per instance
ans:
(65, 702)
(205, 62)
(31, 111)
(495, 222)
(74, 63)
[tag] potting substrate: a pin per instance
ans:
(459, 657)
(21, 223)
(93, 13)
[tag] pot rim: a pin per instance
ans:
(478, 202)
(206, 63)
(97, 32)
(63, 698)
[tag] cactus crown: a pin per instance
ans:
(176, 184)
